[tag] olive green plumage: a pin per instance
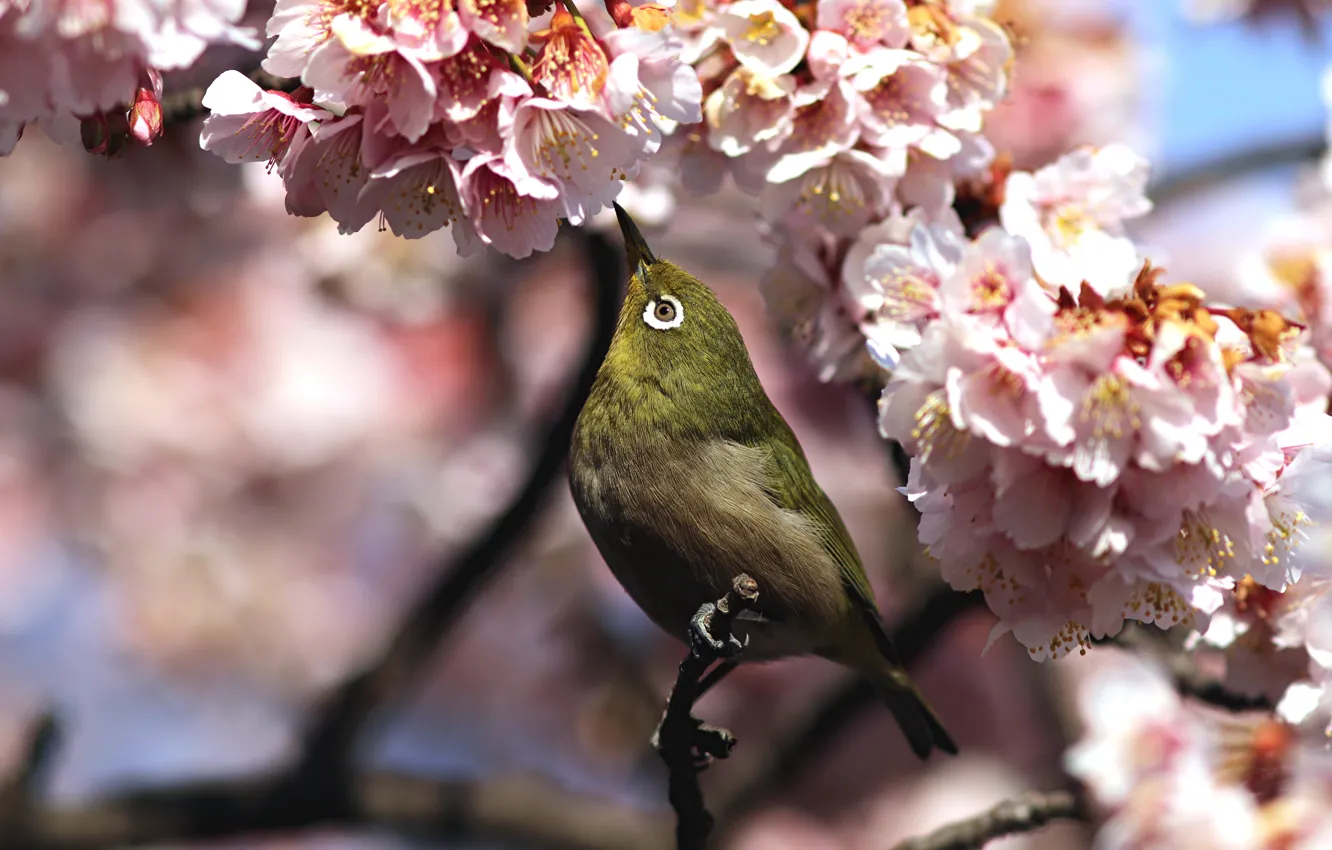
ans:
(686, 475)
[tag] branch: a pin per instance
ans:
(810, 734)
(1188, 679)
(1026, 813)
(522, 809)
(322, 787)
(686, 745)
(329, 740)
(1177, 185)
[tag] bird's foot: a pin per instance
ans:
(701, 640)
(706, 743)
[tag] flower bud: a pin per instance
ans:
(104, 133)
(621, 12)
(145, 116)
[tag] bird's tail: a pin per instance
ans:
(922, 727)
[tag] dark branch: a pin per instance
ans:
(1026, 813)
(330, 738)
(685, 744)
(322, 788)
(1174, 186)
(1188, 679)
(811, 734)
(521, 809)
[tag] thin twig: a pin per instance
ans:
(685, 744)
(1188, 679)
(1175, 186)
(1026, 813)
(811, 734)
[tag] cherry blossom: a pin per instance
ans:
(64, 61)
(1162, 773)
(1110, 459)
(1072, 212)
(422, 117)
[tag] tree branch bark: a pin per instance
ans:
(1026, 813)
(525, 809)
(686, 745)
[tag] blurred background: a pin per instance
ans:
(236, 447)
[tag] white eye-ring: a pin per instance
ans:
(665, 313)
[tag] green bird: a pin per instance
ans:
(686, 475)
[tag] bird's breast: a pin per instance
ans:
(676, 525)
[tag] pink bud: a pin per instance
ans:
(621, 12)
(145, 116)
(104, 133)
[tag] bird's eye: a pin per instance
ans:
(664, 313)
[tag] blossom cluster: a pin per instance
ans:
(835, 110)
(1169, 774)
(92, 70)
(1090, 445)
(471, 116)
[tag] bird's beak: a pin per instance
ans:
(640, 255)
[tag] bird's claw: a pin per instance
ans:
(702, 642)
(706, 743)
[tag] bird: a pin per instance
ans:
(686, 475)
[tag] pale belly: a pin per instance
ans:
(675, 547)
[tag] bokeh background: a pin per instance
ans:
(235, 447)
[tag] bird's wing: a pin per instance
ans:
(792, 486)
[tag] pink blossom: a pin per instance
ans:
(1163, 773)
(825, 123)
(749, 110)
(355, 66)
(328, 173)
(472, 79)
(898, 285)
(427, 31)
(842, 192)
(866, 23)
(978, 80)
(248, 123)
(571, 65)
(1095, 451)
(417, 191)
(902, 96)
(1072, 212)
(764, 35)
(514, 222)
(578, 150)
(63, 59)
(649, 82)
(502, 23)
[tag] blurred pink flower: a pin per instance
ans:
(1072, 214)
(747, 110)
(61, 60)
(1163, 773)
(764, 35)
(866, 23)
